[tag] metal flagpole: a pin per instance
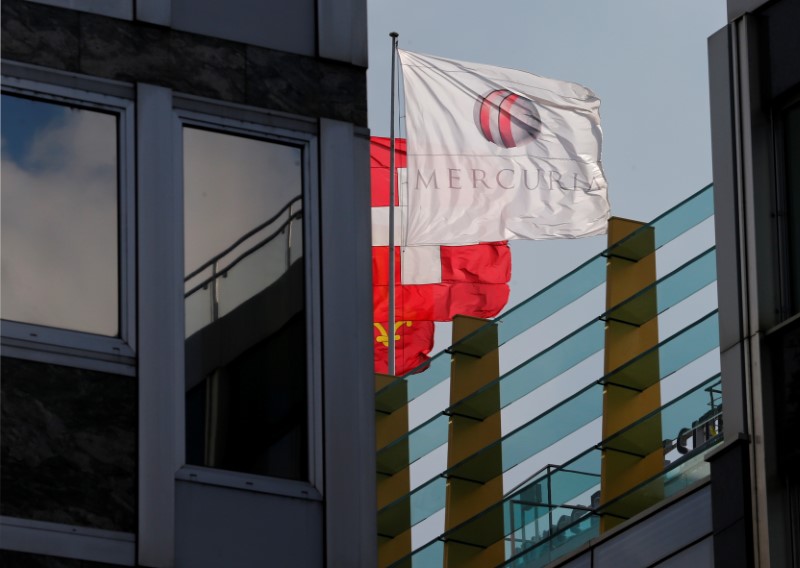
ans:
(391, 323)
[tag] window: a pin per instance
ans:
(790, 127)
(66, 221)
(247, 401)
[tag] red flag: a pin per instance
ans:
(473, 282)
(432, 283)
(413, 343)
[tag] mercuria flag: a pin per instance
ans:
(497, 154)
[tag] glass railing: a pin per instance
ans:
(409, 448)
(575, 530)
(669, 291)
(548, 364)
(546, 429)
(667, 226)
(548, 301)
(246, 267)
(558, 508)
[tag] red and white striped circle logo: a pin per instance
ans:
(507, 119)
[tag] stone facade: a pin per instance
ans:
(188, 63)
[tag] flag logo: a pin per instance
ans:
(507, 119)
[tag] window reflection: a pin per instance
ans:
(245, 319)
(59, 216)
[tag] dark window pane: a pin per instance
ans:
(791, 160)
(68, 439)
(59, 216)
(245, 308)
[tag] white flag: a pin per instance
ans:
(497, 154)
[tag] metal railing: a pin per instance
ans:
(219, 270)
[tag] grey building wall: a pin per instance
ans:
(754, 78)
(201, 65)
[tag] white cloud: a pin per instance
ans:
(59, 227)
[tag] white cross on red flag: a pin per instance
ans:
(432, 283)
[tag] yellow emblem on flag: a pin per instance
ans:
(384, 337)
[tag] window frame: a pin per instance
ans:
(788, 306)
(240, 120)
(122, 9)
(78, 348)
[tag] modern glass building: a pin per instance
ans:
(186, 365)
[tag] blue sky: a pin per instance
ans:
(25, 120)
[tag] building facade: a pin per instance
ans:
(186, 368)
(755, 107)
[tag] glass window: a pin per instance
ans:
(60, 228)
(246, 368)
(791, 161)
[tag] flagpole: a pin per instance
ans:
(391, 323)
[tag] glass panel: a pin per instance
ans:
(686, 423)
(416, 506)
(679, 476)
(668, 291)
(561, 293)
(687, 214)
(791, 167)
(668, 356)
(409, 448)
(536, 371)
(538, 434)
(60, 209)
(247, 403)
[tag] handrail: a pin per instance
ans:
(243, 238)
(245, 254)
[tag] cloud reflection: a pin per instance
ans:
(59, 218)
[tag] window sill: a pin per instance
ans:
(248, 482)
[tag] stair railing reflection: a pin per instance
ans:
(215, 262)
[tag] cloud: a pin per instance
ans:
(60, 228)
